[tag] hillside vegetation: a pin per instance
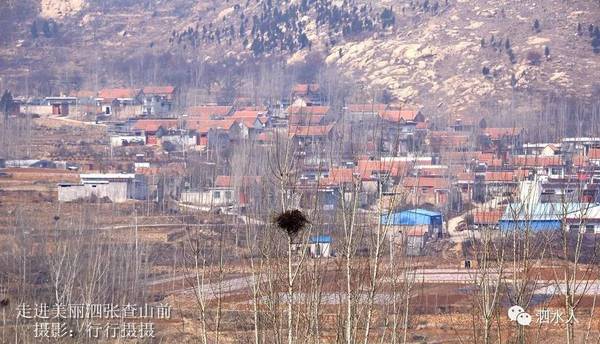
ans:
(448, 53)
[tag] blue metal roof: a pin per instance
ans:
(546, 216)
(424, 212)
(320, 239)
(550, 211)
(412, 217)
(533, 225)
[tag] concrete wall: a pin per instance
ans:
(116, 192)
(207, 198)
(37, 109)
(119, 140)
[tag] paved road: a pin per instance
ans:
(77, 122)
(429, 276)
(245, 219)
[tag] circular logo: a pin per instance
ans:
(518, 314)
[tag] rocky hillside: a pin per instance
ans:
(439, 53)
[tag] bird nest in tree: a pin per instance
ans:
(291, 221)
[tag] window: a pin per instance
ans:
(228, 194)
(217, 194)
(573, 228)
(589, 229)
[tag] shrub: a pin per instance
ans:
(534, 58)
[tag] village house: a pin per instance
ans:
(572, 217)
(158, 101)
(398, 131)
(448, 141)
(120, 103)
(310, 140)
(543, 149)
(487, 218)
(413, 227)
(499, 139)
(499, 183)
(205, 112)
(320, 246)
(179, 139)
(551, 166)
(307, 115)
(60, 105)
(363, 112)
(310, 94)
(579, 145)
(226, 191)
(464, 124)
(152, 129)
(432, 190)
(116, 187)
(120, 140)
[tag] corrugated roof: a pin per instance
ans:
(412, 217)
(550, 211)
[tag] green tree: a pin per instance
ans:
(536, 25)
(34, 31)
(47, 29)
(388, 18)
(6, 103)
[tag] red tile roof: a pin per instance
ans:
(487, 217)
(308, 110)
(341, 175)
(297, 119)
(206, 111)
(246, 114)
(304, 89)
(537, 160)
(448, 139)
(434, 170)
(594, 153)
(426, 182)
(227, 181)
(265, 136)
(398, 115)
(152, 125)
(367, 168)
(204, 126)
(581, 161)
(490, 159)
(116, 93)
(311, 130)
(465, 176)
(504, 176)
(223, 181)
(498, 133)
(422, 125)
(161, 90)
